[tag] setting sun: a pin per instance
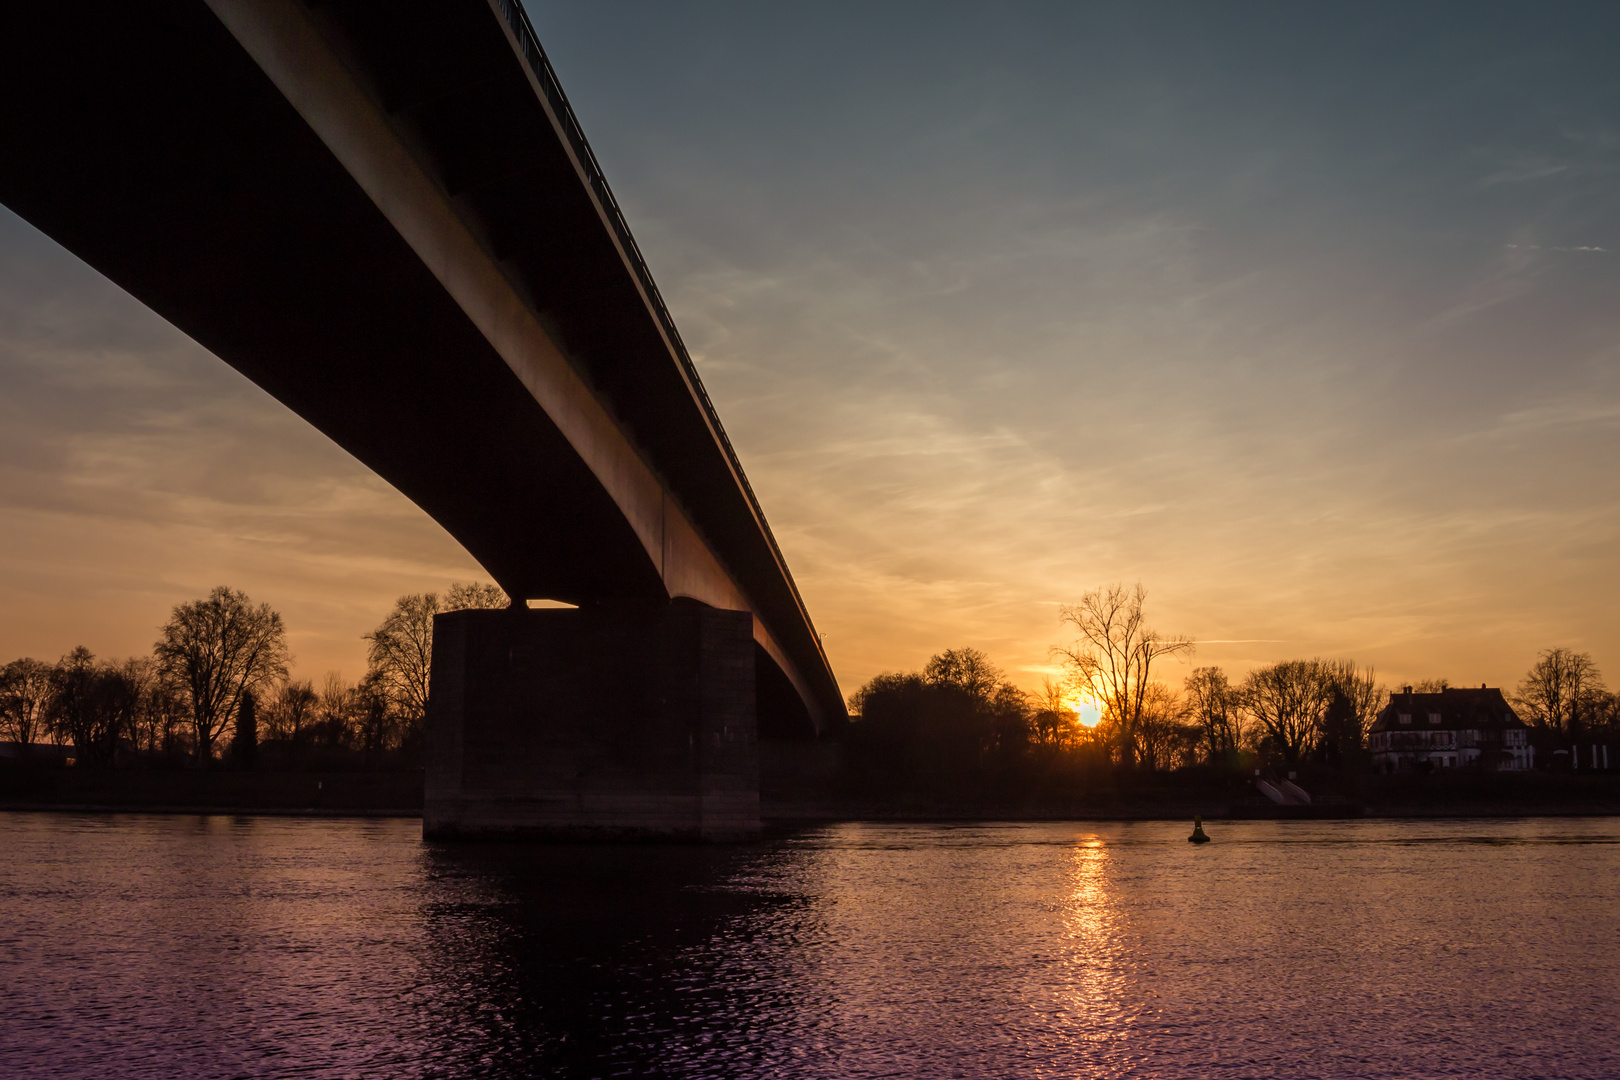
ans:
(1087, 712)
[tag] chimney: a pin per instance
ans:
(1406, 690)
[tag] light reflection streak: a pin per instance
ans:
(1093, 998)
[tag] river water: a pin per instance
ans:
(180, 947)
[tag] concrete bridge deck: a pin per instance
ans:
(388, 218)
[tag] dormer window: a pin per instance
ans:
(1434, 718)
(1406, 718)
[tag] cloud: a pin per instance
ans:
(1523, 173)
(1010, 309)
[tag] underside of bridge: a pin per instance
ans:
(386, 217)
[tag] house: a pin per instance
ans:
(1451, 729)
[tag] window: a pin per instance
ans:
(1434, 718)
(1406, 718)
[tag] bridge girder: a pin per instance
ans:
(388, 225)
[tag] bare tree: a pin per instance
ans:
(1054, 723)
(1113, 659)
(1213, 703)
(1561, 692)
(94, 704)
(1162, 733)
(159, 707)
(401, 654)
(1287, 701)
(967, 670)
(379, 725)
(1355, 698)
(167, 713)
(475, 594)
(1318, 707)
(334, 711)
(290, 715)
(25, 694)
(218, 649)
(74, 712)
(142, 675)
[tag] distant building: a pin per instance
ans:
(1452, 729)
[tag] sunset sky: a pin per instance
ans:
(1308, 321)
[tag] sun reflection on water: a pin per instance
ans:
(1092, 1000)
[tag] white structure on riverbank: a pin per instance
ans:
(1451, 729)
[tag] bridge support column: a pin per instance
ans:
(616, 721)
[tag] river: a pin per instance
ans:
(190, 947)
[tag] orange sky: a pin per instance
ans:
(1322, 347)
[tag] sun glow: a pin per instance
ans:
(1087, 712)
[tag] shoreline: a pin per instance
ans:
(786, 820)
(398, 794)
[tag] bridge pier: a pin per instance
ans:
(614, 721)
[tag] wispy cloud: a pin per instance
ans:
(1523, 173)
(1008, 310)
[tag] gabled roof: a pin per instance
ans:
(1481, 708)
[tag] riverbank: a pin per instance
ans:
(368, 794)
(1168, 797)
(1216, 796)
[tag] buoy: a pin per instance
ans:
(1198, 836)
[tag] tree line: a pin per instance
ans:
(960, 714)
(216, 688)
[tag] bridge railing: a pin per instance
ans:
(518, 19)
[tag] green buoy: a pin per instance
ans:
(1198, 836)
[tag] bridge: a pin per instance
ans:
(390, 219)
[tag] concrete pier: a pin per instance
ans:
(613, 721)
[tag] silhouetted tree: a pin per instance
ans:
(1112, 662)
(1604, 719)
(888, 713)
(1562, 694)
(121, 694)
(968, 671)
(974, 711)
(1214, 705)
(1053, 724)
(1010, 715)
(401, 652)
(401, 649)
(25, 692)
(474, 594)
(166, 714)
(334, 713)
(1354, 698)
(1306, 708)
(1286, 701)
(946, 721)
(142, 675)
(379, 728)
(218, 649)
(92, 705)
(71, 708)
(291, 713)
(1164, 738)
(245, 744)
